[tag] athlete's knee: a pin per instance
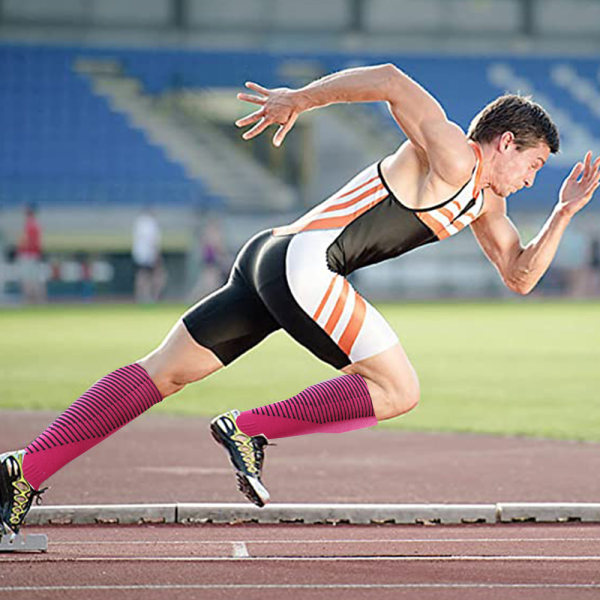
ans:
(167, 378)
(400, 395)
(170, 374)
(179, 360)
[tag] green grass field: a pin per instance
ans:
(517, 368)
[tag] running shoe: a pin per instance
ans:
(16, 494)
(246, 454)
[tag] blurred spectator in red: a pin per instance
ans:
(29, 257)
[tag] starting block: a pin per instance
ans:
(34, 542)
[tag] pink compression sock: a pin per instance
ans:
(107, 406)
(334, 406)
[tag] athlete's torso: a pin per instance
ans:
(374, 225)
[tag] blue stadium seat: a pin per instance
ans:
(61, 142)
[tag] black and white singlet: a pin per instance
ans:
(294, 277)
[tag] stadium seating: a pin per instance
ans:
(464, 84)
(61, 142)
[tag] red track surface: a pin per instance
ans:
(168, 459)
(295, 561)
(161, 459)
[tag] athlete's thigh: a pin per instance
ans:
(212, 333)
(230, 321)
(317, 307)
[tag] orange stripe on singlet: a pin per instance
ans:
(307, 221)
(354, 200)
(431, 222)
(354, 325)
(460, 224)
(359, 186)
(324, 300)
(438, 228)
(447, 213)
(336, 222)
(337, 309)
(457, 224)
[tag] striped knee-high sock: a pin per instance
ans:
(108, 405)
(333, 406)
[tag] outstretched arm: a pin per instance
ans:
(522, 267)
(416, 111)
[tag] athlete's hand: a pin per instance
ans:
(278, 106)
(579, 187)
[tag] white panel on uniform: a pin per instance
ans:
(42, 10)
(309, 279)
(567, 17)
(403, 16)
(220, 13)
(131, 12)
(311, 14)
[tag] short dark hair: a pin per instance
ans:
(524, 118)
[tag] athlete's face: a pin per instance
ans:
(516, 168)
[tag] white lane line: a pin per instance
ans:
(240, 550)
(379, 558)
(295, 542)
(305, 586)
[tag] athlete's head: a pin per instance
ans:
(522, 136)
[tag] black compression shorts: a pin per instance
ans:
(256, 301)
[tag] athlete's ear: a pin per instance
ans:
(505, 141)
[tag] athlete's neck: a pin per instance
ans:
(486, 157)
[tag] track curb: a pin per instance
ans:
(505, 512)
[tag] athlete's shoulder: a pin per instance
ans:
(451, 157)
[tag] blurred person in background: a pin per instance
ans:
(29, 258)
(592, 289)
(213, 259)
(150, 276)
(3, 260)
(293, 277)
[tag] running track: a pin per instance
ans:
(524, 561)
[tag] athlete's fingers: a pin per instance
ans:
(591, 183)
(591, 171)
(257, 88)
(252, 118)
(283, 131)
(258, 128)
(576, 171)
(587, 162)
(251, 98)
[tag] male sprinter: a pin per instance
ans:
(294, 277)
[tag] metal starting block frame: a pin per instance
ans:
(34, 542)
